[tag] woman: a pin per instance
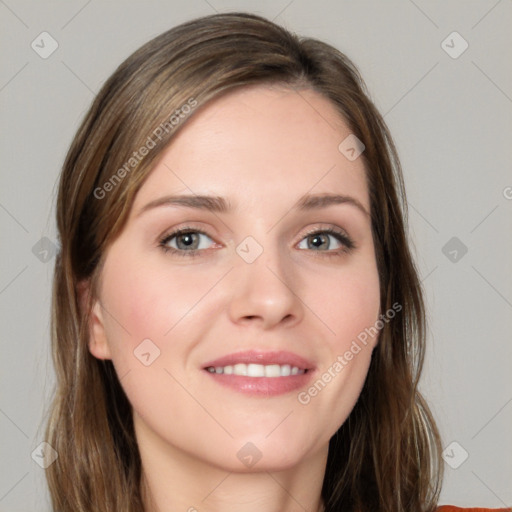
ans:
(237, 320)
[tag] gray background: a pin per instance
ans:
(450, 117)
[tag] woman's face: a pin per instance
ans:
(257, 284)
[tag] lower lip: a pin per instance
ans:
(262, 386)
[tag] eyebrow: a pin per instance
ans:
(219, 204)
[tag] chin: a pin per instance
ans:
(259, 454)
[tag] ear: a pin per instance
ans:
(97, 339)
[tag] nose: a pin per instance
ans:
(266, 294)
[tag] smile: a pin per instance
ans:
(258, 370)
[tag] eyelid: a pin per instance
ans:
(171, 233)
(325, 228)
(186, 226)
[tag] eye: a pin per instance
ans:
(185, 241)
(322, 241)
(190, 242)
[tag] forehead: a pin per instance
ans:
(259, 146)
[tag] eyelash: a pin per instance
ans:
(344, 239)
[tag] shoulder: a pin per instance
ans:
(452, 508)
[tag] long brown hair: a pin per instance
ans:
(386, 456)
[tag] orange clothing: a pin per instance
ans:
(452, 508)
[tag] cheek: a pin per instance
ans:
(349, 303)
(148, 309)
(351, 311)
(145, 301)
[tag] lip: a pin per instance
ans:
(265, 358)
(262, 386)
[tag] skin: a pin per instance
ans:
(262, 148)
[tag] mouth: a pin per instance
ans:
(261, 373)
(258, 370)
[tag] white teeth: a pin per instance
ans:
(257, 370)
(286, 370)
(238, 369)
(272, 370)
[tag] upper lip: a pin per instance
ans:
(280, 357)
